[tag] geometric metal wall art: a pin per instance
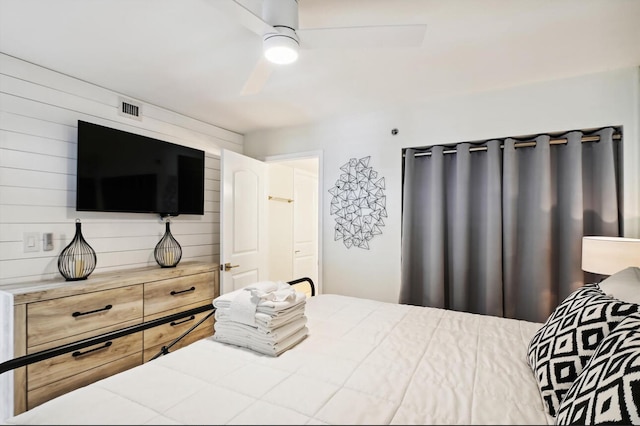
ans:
(358, 203)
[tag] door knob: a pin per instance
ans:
(228, 266)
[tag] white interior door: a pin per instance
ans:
(242, 222)
(305, 225)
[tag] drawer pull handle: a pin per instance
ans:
(174, 323)
(106, 308)
(78, 353)
(173, 292)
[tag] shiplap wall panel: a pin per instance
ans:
(20, 69)
(29, 160)
(35, 196)
(39, 111)
(13, 67)
(37, 214)
(10, 176)
(187, 231)
(19, 142)
(193, 128)
(25, 107)
(36, 127)
(59, 105)
(50, 102)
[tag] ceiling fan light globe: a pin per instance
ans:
(280, 50)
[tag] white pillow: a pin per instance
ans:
(623, 285)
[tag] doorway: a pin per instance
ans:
(294, 219)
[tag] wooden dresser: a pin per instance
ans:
(56, 312)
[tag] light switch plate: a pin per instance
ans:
(47, 241)
(31, 241)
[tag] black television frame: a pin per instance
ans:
(111, 176)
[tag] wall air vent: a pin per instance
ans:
(130, 109)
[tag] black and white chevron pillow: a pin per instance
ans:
(608, 389)
(559, 351)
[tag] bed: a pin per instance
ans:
(363, 362)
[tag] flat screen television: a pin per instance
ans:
(120, 171)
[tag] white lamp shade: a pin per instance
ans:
(608, 255)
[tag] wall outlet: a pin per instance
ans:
(47, 241)
(31, 241)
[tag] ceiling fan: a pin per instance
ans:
(282, 38)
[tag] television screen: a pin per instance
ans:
(123, 172)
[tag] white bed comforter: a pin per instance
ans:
(364, 362)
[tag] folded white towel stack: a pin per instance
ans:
(267, 317)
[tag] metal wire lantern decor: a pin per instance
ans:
(168, 251)
(77, 260)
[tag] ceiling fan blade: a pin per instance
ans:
(244, 16)
(363, 37)
(258, 77)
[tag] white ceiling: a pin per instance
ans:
(189, 57)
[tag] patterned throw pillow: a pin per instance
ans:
(559, 351)
(608, 389)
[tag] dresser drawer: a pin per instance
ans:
(67, 316)
(156, 337)
(62, 366)
(160, 296)
(44, 393)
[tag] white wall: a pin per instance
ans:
(610, 98)
(39, 110)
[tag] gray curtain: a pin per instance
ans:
(499, 232)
